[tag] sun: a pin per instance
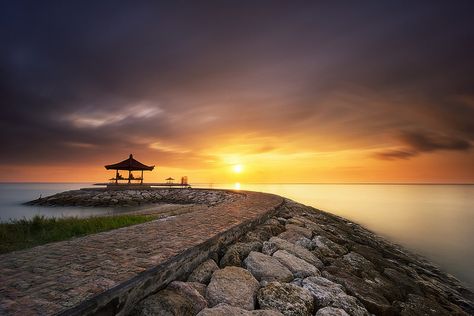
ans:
(238, 168)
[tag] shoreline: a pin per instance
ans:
(349, 256)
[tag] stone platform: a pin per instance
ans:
(109, 272)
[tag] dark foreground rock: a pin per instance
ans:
(303, 262)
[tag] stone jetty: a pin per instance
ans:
(237, 253)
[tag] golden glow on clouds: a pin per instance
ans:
(246, 160)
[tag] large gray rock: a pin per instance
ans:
(203, 272)
(275, 243)
(165, 303)
(227, 310)
(301, 230)
(327, 247)
(356, 264)
(237, 252)
(328, 293)
(305, 243)
(266, 268)
(297, 266)
(331, 311)
(289, 299)
(233, 286)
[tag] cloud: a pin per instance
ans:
(416, 142)
(426, 142)
(169, 81)
(100, 118)
(394, 154)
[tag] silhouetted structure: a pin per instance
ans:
(129, 165)
(169, 180)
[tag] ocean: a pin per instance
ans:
(436, 221)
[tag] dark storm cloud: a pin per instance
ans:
(417, 142)
(430, 142)
(84, 80)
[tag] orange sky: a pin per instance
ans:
(313, 92)
(297, 167)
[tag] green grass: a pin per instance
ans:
(27, 233)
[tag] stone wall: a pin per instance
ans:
(303, 262)
(101, 197)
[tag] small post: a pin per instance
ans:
(116, 176)
(129, 174)
(141, 182)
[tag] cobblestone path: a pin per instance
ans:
(52, 278)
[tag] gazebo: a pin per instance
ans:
(129, 165)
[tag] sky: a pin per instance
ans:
(291, 91)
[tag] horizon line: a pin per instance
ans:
(264, 183)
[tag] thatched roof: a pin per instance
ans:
(129, 164)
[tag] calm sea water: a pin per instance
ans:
(436, 221)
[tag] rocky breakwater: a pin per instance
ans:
(100, 197)
(306, 262)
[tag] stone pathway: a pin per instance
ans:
(53, 278)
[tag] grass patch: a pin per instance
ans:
(27, 233)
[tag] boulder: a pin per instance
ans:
(418, 305)
(266, 268)
(295, 221)
(356, 264)
(272, 221)
(201, 288)
(237, 252)
(289, 299)
(233, 286)
(291, 235)
(203, 272)
(298, 251)
(301, 230)
(227, 310)
(406, 284)
(188, 290)
(328, 293)
(263, 232)
(297, 266)
(305, 243)
(365, 292)
(328, 247)
(224, 309)
(165, 303)
(331, 311)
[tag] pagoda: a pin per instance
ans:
(129, 165)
